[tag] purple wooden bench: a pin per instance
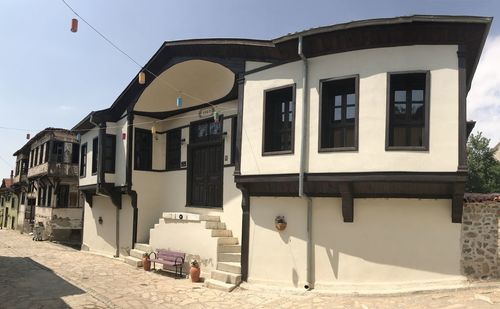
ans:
(169, 258)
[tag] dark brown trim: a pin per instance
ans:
(292, 138)
(133, 202)
(86, 161)
(347, 201)
(457, 202)
(245, 231)
(349, 186)
(130, 154)
(425, 142)
(356, 124)
(462, 109)
(239, 125)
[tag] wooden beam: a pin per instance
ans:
(347, 201)
(457, 203)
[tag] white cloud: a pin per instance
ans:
(483, 101)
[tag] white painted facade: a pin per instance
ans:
(372, 65)
(403, 232)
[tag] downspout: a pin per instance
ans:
(304, 143)
(128, 175)
(100, 179)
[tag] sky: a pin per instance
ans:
(51, 77)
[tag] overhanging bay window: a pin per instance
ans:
(408, 111)
(58, 151)
(339, 114)
(279, 120)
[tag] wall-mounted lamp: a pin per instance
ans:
(100, 220)
(179, 101)
(142, 78)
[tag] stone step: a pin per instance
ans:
(209, 218)
(225, 277)
(222, 233)
(229, 257)
(218, 285)
(230, 267)
(143, 247)
(133, 261)
(227, 241)
(211, 225)
(229, 249)
(137, 253)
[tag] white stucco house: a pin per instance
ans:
(353, 134)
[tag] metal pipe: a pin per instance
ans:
(304, 143)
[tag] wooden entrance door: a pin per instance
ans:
(205, 165)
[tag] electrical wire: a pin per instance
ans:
(132, 59)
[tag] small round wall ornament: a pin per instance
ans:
(280, 223)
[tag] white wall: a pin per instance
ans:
(372, 66)
(100, 238)
(391, 241)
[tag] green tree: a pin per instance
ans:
(484, 169)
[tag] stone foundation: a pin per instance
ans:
(480, 238)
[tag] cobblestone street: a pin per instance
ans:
(47, 275)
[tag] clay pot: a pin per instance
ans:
(146, 263)
(280, 226)
(194, 273)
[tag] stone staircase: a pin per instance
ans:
(227, 274)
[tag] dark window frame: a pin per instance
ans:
(83, 160)
(356, 115)
(62, 196)
(109, 153)
(36, 157)
(149, 163)
(75, 153)
(427, 92)
(57, 156)
(292, 137)
(95, 153)
(168, 149)
(42, 151)
(47, 152)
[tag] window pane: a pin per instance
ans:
(400, 111)
(399, 136)
(351, 99)
(338, 100)
(278, 119)
(350, 112)
(416, 134)
(337, 116)
(400, 96)
(349, 136)
(417, 95)
(338, 137)
(417, 111)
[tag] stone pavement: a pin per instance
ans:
(47, 275)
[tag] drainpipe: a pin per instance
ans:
(102, 179)
(304, 143)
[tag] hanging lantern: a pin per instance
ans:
(153, 130)
(74, 25)
(216, 116)
(78, 137)
(142, 78)
(28, 136)
(179, 101)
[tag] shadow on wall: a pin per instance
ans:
(26, 284)
(386, 236)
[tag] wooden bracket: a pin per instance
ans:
(347, 201)
(457, 202)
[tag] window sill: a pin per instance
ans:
(339, 149)
(406, 148)
(277, 153)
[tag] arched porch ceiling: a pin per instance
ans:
(196, 81)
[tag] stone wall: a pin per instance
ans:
(480, 238)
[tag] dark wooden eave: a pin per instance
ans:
(421, 185)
